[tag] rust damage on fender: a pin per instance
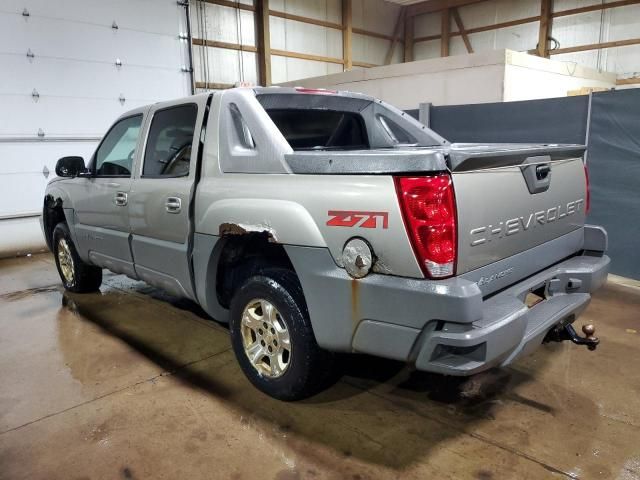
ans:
(240, 229)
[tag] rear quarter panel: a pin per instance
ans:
(295, 210)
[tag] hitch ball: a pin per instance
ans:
(589, 331)
(564, 332)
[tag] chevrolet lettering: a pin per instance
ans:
(516, 225)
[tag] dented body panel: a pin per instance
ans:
(520, 214)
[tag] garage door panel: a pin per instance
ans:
(59, 116)
(32, 156)
(159, 16)
(78, 84)
(133, 82)
(22, 180)
(82, 41)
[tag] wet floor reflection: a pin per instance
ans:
(411, 412)
(563, 411)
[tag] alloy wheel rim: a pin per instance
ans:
(65, 260)
(265, 338)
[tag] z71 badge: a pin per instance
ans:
(345, 218)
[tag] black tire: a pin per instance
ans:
(310, 367)
(85, 278)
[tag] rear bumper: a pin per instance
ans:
(509, 329)
(452, 326)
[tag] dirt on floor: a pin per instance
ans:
(131, 383)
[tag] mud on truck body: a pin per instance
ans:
(317, 222)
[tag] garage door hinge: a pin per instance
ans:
(35, 95)
(186, 69)
(25, 13)
(30, 54)
(122, 99)
(183, 3)
(114, 25)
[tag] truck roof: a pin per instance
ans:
(257, 91)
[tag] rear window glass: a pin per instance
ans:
(311, 129)
(168, 152)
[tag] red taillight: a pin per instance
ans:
(429, 209)
(587, 202)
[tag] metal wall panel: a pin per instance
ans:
(301, 37)
(221, 23)
(329, 10)
(572, 30)
(233, 26)
(290, 69)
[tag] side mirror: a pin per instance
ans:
(70, 166)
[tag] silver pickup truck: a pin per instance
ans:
(317, 222)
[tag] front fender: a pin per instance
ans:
(57, 196)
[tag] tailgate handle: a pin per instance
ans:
(537, 173)
(542, 171)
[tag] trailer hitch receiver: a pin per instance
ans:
(567, 332)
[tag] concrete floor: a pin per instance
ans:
(130, 383)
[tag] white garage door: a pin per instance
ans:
(68, 70)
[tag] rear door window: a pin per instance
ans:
(168, 151)
(312, 129)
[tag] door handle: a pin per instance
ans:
(121, 199)
(173, 205)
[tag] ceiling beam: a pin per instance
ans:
(264, 42)
(596, 46)
(408, 38)
(461, 30)
(396, 35)
(347, 34)
(593, 8)
(544, 32)
(445, 32)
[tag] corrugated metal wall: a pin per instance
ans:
(606, 25)
(232, 26)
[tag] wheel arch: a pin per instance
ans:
(235, 256)
(53, 212)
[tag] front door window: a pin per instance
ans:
(114, 156)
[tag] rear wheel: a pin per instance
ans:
(76, 275)
(273, 339)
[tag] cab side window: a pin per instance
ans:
(168, 151)
(114, 156)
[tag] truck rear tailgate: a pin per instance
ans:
(501, 212)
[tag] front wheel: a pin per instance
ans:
(273, 339)
(76, 275)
